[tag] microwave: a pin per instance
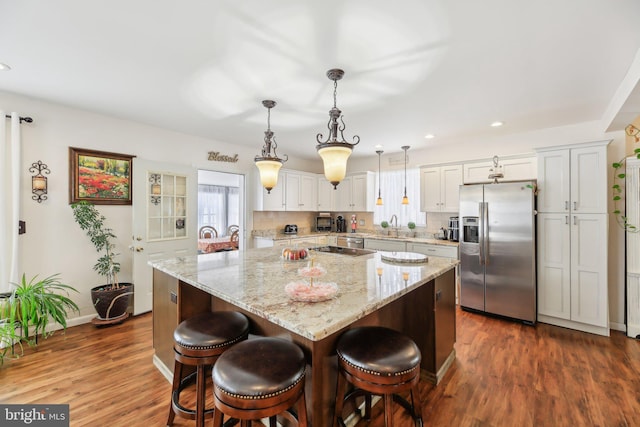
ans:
(323, 223)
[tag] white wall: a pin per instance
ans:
(486, 147)
(54, 243)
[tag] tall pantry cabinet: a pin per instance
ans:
(632, 185)
(573, 237)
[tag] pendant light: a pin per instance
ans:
(405, 199)
(269, 164)
(379, 200)
(333, 151)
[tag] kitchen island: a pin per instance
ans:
(417, 299)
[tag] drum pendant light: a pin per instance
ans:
(269, 164)
(333, 151)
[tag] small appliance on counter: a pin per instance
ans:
(454, 229)
(323, 222)
(290, 229)
(341, 224)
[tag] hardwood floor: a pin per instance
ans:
(505, 374)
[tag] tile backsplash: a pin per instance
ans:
(306, 221)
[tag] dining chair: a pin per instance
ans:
(207, 232)
(231, 229)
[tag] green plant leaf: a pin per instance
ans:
(616, 165)
(616, 197)
(616, 186)
(622, 175)
(637, 150)
(617, 211)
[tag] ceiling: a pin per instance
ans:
(413, 67)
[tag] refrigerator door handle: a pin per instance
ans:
(485, 232)
(480, 233)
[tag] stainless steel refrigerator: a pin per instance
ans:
(498, 250)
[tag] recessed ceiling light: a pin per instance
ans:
(496, 124)
(378, 146)
(4, 67)
(429, 136)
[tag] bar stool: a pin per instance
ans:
(378, 361)
(260, 378)
(199, 341)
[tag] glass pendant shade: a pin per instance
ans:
(269, 164)
(335, 151)
(405, 200)
(268, 173)
(335, 158)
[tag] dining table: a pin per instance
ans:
(216, 244)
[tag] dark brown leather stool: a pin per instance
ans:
(378, 361)
(260, 378)
(199, 341)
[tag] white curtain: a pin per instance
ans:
(392, 185)
(218, 206)
(10, 195)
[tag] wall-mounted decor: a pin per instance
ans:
(99, 177)
(39, 181)
(215, 156)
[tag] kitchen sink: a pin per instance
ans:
(342, 251)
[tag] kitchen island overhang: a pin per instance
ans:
(417, 299)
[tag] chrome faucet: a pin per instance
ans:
(391, 222)
(392, 218)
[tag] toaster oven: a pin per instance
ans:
(323, 223)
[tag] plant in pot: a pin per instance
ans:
(384, 225)
(33, 304)
(412, 226)
(112, 299)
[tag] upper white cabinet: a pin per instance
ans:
(300, 191)
(275, 200)
(573, 179)
(439, 188)
(326, 195)
(295, 191)
(355, 193)
(514, 168)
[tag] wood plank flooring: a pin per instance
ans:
(505, 374)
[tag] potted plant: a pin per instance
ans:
(111, 299)
(33, 304)
(384, 225)
(412, 226)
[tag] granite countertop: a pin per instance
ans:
(255, 279)
(272, 235)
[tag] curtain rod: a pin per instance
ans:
(22, 119)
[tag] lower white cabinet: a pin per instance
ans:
(433, 250)
(572, 271)
(385, 245)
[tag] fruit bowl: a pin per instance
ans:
(294, 254)
(304, 292)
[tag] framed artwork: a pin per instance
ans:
(99, 177)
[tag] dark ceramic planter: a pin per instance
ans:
(111, 303)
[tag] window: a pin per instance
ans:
(218, 206)
(392, 192)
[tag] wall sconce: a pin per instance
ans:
(496, 171)
(154, 179)
(39, 181)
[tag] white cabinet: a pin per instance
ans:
(300, 192)
(303, 242)
(295, 191)
(572, 271)
(274, 201)
(355, 193)
(385, 245)
(572, 237)
(433, 250)
(326, 195)
(573, 179)
(439, 188)
(632, 184)
(514, 168)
